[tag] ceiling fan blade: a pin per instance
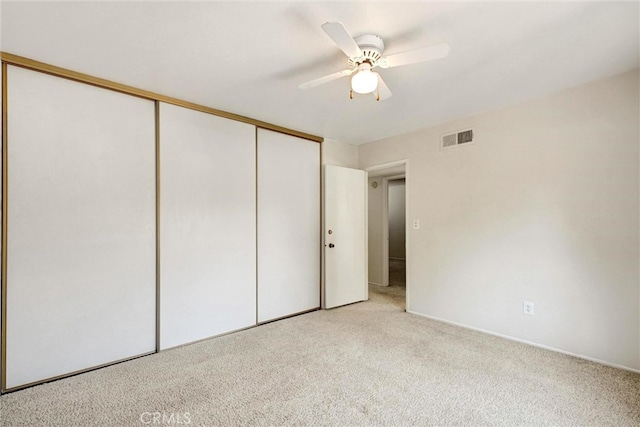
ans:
(342, 38)
(326, 79)
(417, 55)
(383, 91)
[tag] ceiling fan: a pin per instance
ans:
(365, 54)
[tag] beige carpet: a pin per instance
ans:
(396, 291)
(364, 364)
(397, 273)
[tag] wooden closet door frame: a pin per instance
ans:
(30, 64)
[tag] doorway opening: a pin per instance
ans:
(387, 234)
(396, 232)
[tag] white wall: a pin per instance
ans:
(543, 208)
(375, 207)
(397, 220)
(339, 154)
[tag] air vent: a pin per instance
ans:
(449, 140)
(458, 138)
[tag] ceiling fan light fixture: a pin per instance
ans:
(364, 53)
(364, 81)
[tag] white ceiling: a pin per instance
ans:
(248, 58)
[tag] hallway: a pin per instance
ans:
(396, 291)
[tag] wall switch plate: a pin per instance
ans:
(527, 308)
(416, 224)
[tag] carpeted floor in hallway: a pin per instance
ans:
(396, 291)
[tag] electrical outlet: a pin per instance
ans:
(527, 308)
(416, 224)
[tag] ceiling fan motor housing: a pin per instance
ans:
(372, 47)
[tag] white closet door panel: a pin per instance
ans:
(81, 227)
(1, 163)
(288, 225)
(208, 225)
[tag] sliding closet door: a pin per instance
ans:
(2, 72)
(288, 225)
(81, 227)
(207, 226)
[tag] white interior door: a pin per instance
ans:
(345, 236)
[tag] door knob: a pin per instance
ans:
(331, 245)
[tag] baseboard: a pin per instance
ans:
(546, 347)
(377, 284)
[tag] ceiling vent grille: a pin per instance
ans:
(458, 138)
